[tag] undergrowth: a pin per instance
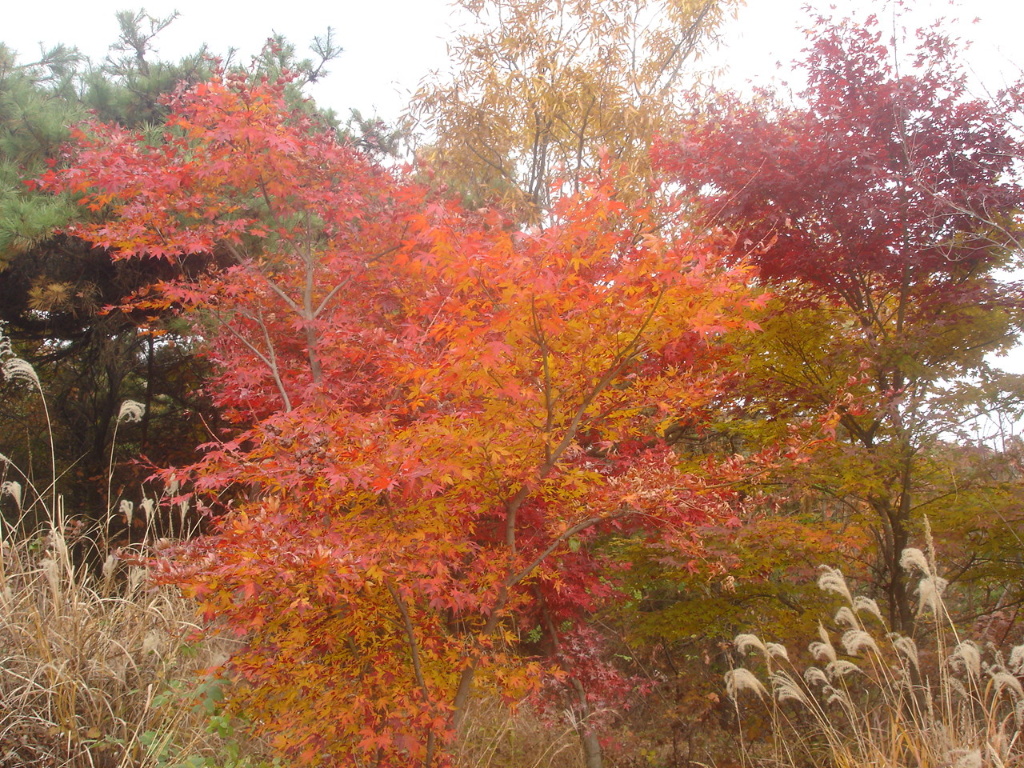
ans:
(99, 668)
(876, 698)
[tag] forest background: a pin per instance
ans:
(513, 411)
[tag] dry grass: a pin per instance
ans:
(494, 738)
(874, 698)
(98, 668)
(103, 670)
(89, 662)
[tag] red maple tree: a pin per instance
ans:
(880, 209)
(439, 417)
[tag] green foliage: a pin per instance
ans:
(229, 745)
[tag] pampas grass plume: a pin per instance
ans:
(815, 676)
(966, 656)
(855, 641)
(1004, 681)
(929, 591)
(908, 649)
(787, 689)
(17, 369)
(1016, 662)
(776, 651)
(739, 680)
(746, 642)
(822, 651)
(12, 488)
(913, 559)
(845, 618)
(840, 668)
(131, 410)
(863, 604)
(832, 580)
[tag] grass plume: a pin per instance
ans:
(877, 706)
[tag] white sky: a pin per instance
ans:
(391, 44)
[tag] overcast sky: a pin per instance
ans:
(391, 44)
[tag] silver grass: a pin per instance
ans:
(108, 566)
(17, 369)
(776, 651)
(967, 657)
(12, 488)
(857, 640)
(867, 605)
(832, 580)
(746, 642)
(786, 688)
(148, 507)
(182, 511)
(1004, 681)
(131, 410)
(739, 680)
(845, 618)
(126, 508)
(840, 668)
(908, 649)
(815, 676)
(836, 696)
(929, 591)
(109, 569)
(823, 651)
(913, 559)
(1016, 662)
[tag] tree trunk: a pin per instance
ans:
(588, 737)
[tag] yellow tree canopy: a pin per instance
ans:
(542, 89)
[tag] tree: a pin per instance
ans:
(438, 415)
(61, 298)
(880, 211)
(542, 88)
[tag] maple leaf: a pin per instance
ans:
(389, 547)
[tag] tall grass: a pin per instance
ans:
(84, 659)
(875, 698)
(492, 737)
(98, 668)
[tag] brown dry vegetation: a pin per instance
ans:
(96, 668)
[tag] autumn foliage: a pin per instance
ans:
(880, 209)
(438, 417)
